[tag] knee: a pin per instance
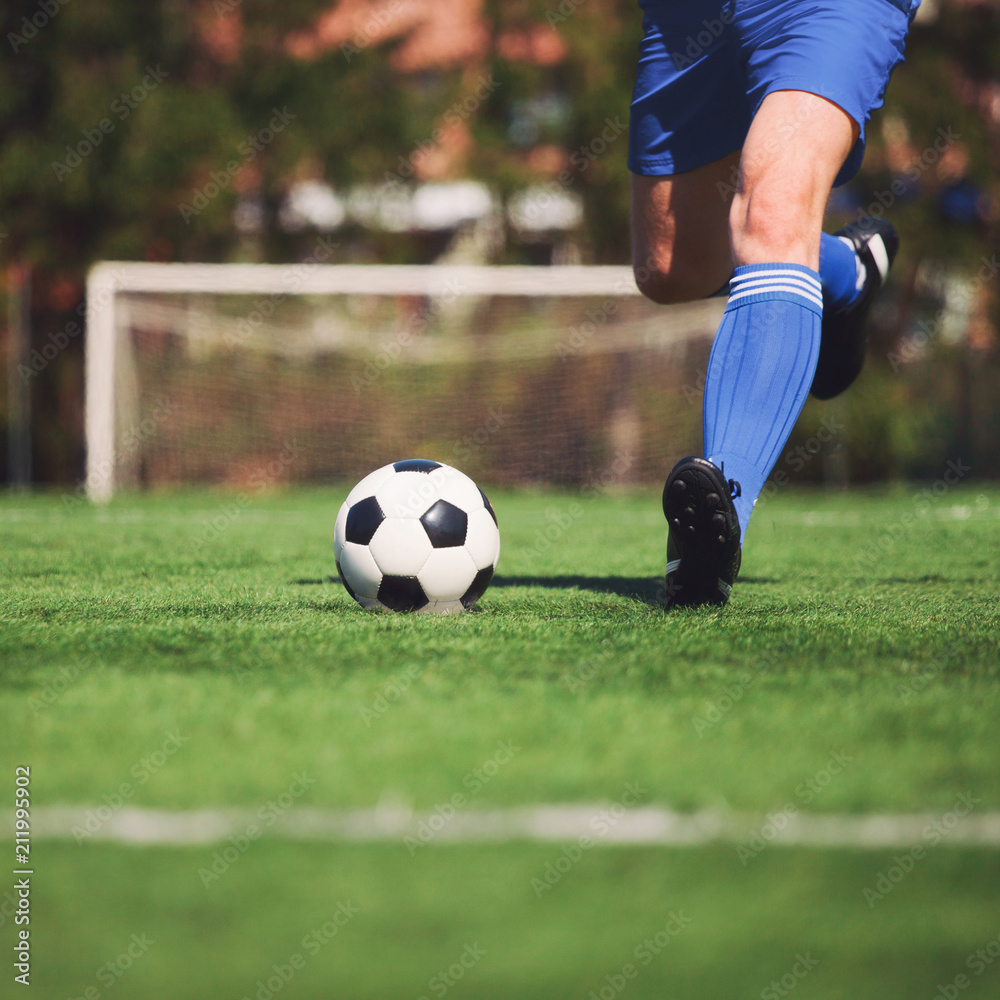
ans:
(764, 228)
(771, 219)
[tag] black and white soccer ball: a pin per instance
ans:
(416, 536)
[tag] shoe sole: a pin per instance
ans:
(703, 522)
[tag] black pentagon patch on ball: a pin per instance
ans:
(363, 520)
(478, 587)
(343, 580)
(446, 525)
(402, 593)
(489, 507)
(416, 465)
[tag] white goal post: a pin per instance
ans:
(108, 281)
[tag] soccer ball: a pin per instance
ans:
(416, 536)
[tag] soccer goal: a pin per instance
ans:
(251, 375)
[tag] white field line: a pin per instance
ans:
(650, 826)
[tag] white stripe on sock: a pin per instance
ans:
(815, 299)
(757, 286)
(782, 272)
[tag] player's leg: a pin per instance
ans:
(814, 76)
(765, 352)
(689, 116)
(680, 231)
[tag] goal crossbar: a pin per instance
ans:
(109, 279)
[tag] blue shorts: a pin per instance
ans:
(706, 65)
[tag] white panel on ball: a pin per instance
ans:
(407, 494)
(483, 539)
(370, 484)
(400, 546)
(339, 529)
(360, 569)
(447, 574)
(460, 490)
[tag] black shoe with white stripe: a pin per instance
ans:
(703, 540)
(844, 338)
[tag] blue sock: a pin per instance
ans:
(759, 372)
(839, 270)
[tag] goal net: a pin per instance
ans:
(252, 375)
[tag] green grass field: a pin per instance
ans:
(865, 625)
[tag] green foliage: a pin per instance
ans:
(354, 119)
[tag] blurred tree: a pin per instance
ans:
(173, 130)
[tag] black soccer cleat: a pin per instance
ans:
(844, 337)
(703, 540)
